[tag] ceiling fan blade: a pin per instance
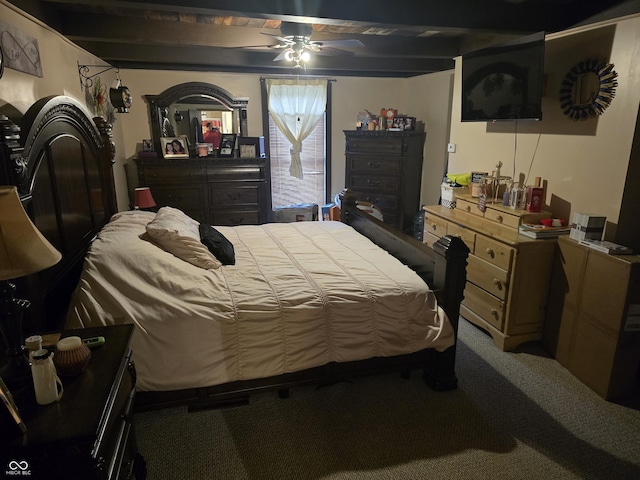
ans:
(286, 41)
(281, 56)
(347, 43)
(333, 51)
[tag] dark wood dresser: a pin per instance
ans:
(385, 169)
(215, 191)
(89, 433)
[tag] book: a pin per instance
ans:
(607, 247)
(540, 231)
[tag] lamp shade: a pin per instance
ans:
(23, 249)
(143, 198)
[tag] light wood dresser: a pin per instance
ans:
(507, 274)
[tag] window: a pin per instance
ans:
(314, 187)
(287, 190)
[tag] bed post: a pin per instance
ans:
(449, 281)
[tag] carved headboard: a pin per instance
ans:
(61, 161)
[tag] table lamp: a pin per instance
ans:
(143, 199)
(23, 251)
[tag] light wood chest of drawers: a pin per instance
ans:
(507, 274)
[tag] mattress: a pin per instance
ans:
(300, 295)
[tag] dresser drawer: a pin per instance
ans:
(467, 236)
(429, 239)
(236, 217)
(173, 173)
(468, 207)
(235, 173)
(371, 144)
(494, 252)
(375, 183)
(504, 218)
(220, 195)
(488, 277)
(490, 308)
(435, 225)
(384, 202)
(374, 165)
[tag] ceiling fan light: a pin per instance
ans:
(288, 55)
(305, 57)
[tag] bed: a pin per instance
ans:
(375, 300)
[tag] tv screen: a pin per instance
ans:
(504, 82)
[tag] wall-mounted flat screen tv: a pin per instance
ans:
(504, 82)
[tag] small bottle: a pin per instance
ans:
(45, 378)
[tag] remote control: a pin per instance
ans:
(93, 342)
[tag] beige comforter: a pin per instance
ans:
(300, 295)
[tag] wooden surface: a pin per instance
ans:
(385, 169)
(507, 274)
(215, 191)
(80, 433)
(587, 325)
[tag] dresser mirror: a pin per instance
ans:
(186, 108)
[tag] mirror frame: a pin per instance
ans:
(238, 105)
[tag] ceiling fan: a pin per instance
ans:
(297, 46)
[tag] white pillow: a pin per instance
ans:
(177, 233)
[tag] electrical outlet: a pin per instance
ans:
(451, 148)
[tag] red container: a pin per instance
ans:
(535, 199)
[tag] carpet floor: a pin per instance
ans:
(514, 416)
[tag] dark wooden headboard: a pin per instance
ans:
(61, 161)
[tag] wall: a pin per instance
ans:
(584, 164)
(59, 58)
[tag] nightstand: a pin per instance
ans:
(89, 433)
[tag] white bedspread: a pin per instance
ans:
(299, 296)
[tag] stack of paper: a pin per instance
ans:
(540, 231)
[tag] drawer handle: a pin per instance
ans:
(372, 183)
(434, 226)
(490, 252)
(497, 283)
(499, 218)
(468, 208)
(374, 164)
(494, 312)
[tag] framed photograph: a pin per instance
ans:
(147, 145)
(174, 147)
(227, 145)
(251, 147)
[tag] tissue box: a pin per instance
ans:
(587, 226)
(448, 195)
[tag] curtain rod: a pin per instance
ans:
(289, 77)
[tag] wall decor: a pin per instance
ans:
(227, 145)
(101, 104)
(21, 51)
(587, 89)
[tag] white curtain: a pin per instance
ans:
(296, 106)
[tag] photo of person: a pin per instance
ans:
(174, 147)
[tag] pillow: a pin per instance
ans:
(177, 233)
(217, 244)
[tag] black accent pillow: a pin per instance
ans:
(217, 244)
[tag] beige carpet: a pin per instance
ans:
(514, 416)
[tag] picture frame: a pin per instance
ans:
(170, 144)
(227, 145)
(147, 145)
(251, 147)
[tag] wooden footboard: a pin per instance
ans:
(442, 267)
